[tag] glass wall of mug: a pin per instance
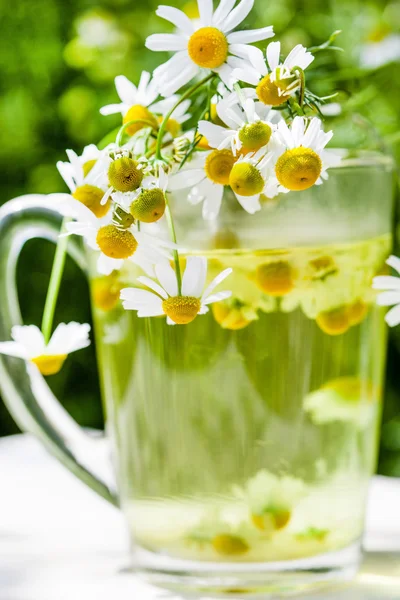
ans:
(244, 441)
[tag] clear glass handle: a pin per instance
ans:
(25, 392)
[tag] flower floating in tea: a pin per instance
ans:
(29, 344)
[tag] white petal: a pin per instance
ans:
(212, 202)
(106, 265)
(205, 12)
(393, 316)
(386, 282)
(194, 277)
(153, 285)
(252, 54)
(137, 295)
(251, 35)
(14, 349)
(185, 179)
(216, 281)
(309, 138)
(215, 134)
(297, 130)
(166, 41)
(251, 204)
(217, 297)
(126, 90)
(30, 337)
(247, 76)
(299, 57)
(172, 66)
(176, 17)
(273, 54)
(394, 262)
(189, 70)
(112, 109)
(388, 298)
(222, 11)
(167, 277)
(237, 15)
(68, 337)
(227, 75)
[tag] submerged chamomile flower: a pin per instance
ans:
(233, 314)
(250, 127)
(391, 294)
(348, 399)
(206, 175)
(30, 345)
(271, 499)
(86, 179)
(164, 297)
(248, 178)
(302, 159)
(116, 244)
(277, 83)
(205, 43)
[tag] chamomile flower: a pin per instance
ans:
(164, 297)
(205, 43)
(30, 345)
(391, 294)
(380, 50)
(271, 499)
(86, 178)
(135, 102)
(248, 129)
(302, 159)
(115, 243)
(206, 175)
(346, 399)
(276, 81)
(248, 178)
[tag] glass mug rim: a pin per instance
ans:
(362, 158)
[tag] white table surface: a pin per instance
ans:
(59, 541)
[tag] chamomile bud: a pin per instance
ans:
(149, 206)
(125, 174)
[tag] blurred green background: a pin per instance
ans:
(58, 59)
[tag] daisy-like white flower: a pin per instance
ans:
(250, 124)
(271, 499)
(347, 399)
(164, 298)
(276, 81)
(86, 178)
(391, 294)
(30, 345)
(380, 51)
(205, 43)
(302, 159)
(206, 175)
(135, 102)
(115, 242)
(249, 176)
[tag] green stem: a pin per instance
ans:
(122, 130)
(175, 252)
(54, 283)
(300, 71)
(184, 96)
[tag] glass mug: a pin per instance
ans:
(242, 444)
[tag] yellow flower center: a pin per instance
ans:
(322, 266)
(88, 166)
(218, 166)
(225, 239)
(149, 206)
(298, 169)
(275, 279)
(122, 219)
(357, 312)
(181, 309)
(139, 112)
(246, 180)
(268, 92)
(254, 136)
(229, 317)
(124, 174)
(105, 293)
(229, 545)
(208, 47)
(334, 322)
(353, 389)
(203, 144)
(115, 242)
(91, 197)
(274, 519)
(49, 365)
